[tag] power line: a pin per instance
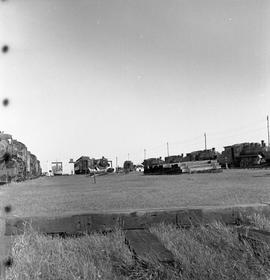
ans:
(241, 132)
(242, 127)
(215, 136)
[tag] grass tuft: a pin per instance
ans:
(206, 252)
(212, 252)
(96, 256)
(260, 221)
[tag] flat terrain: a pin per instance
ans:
(55, 196)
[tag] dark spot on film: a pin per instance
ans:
(7, 208)
(5, 102)
(8, 262)
(5, 49)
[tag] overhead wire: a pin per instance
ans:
(224, 134)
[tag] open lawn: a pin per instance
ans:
(53, 196)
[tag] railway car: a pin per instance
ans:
(245, 155)
(82, 165)
(15, 160)
(174, 159)
(153, 166)
(157, 166)
(209, 154)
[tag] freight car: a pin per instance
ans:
(209, 154)
(174, 159)
(158, 166)
(194, 162)
(82, 165)
(16, 163)
(245, 155)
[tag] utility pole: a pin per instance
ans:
(144, 153)
(116, 164)
(167, 148)
(205, 146)
(268, 130)
(128, 156)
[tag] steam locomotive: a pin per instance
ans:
(16, 162)
(87, 165)
(245, 155)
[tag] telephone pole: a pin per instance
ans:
(144, 153)
(205, 146)
(167, 149)
(268, 130)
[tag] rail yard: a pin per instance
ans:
(201, 189)
(196, 191)
(17, 163)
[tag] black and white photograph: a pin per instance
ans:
(134, 139)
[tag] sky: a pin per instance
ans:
(115, 78)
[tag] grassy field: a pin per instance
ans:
(212, 252)
(54, 196)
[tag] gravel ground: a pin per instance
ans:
(54, 196)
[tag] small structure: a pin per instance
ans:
(57, 168)
(71, 167)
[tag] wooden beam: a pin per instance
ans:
(254, 235)
(141, 219)
(147, 248)
(76, 224)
